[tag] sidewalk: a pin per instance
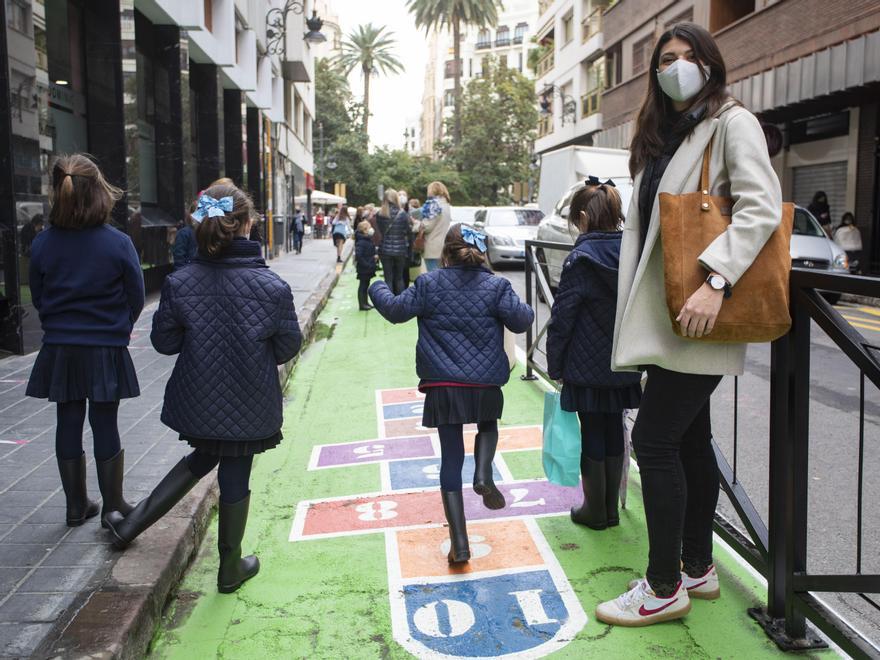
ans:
(56, 579)
(347, 522)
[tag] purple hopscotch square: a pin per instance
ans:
(526, 498)
(374, 451)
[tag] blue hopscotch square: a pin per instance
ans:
(425, 473)
(486, 617)
(403, 410)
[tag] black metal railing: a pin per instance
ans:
(776, 549)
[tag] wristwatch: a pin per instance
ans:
(719, 284)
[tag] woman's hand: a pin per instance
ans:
(698, 316)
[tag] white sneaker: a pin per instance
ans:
(640, 607)
(705, 587)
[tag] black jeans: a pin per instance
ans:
(601, 436)
(71, 416)
(392, 268)
(233, 476)
(672, 439)
(298, 241)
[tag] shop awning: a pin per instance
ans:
(320, 197)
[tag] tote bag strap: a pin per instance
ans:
(704, 176)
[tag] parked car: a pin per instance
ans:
(464, 214)
(507, 229)
(810, 245)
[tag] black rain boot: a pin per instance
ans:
(363, 304)
(613, 474)
(110, 475)
(453, 507)
(174, 485)
(484, 454)
(73, 479)
(592, 513)
(234, 569)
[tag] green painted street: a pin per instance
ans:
(366, 577)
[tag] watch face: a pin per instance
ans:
(716, 282)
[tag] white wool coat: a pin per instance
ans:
(739, 168)
(436, 229)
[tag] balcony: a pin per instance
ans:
(592, 25)
(517, 39)
(591, 102)
(501, 42)
(483, 45)
(546, 64)
(545, 125)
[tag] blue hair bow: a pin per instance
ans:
(212, 208)
(475, 238)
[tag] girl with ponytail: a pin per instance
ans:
(231, 321)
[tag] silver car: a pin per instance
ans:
(464, 214)
(507, 229)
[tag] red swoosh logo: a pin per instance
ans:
(644, 611)
(694, 586)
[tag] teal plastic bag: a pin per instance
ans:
(562, 443)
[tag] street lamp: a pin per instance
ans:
(569, 106)
(276, 26)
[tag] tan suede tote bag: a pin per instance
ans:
(758, 309)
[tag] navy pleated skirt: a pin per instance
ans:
(461, 405)
(233, 448)
(65, 373)
(579, 398)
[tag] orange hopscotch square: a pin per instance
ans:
(530, 437)
(398, 428)
(494, 546)
(404, 395)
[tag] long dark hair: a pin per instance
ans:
(647, 143)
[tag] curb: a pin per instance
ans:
(119, 618)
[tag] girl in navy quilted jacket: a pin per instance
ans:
(462, 310)
(579, 338)
(230, 320)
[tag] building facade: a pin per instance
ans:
(167, 96)
(508, 43)
(332, 29)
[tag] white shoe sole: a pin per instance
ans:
(715, 594)
(660, 617)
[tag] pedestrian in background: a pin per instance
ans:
(341, 231)
(435, 222)
(462, 310)
(394, 224)
(579, 351)
(319, 223)
(87, 285)
(299, 230)
(849, 238)
(686, 106)
(231, 321)
(185, 247)
(365, 262)
(822, 212)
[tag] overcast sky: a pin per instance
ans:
(397, 98)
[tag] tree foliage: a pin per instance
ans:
(499, 121)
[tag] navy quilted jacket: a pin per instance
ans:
(232, 321)
(461, 312)
(396, 233)
(365, 255)
(581, 327)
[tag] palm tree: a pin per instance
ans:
(369, 48)
(431, 14)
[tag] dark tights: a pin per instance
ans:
(601, 436)
(233, 474)
(71, 416)
(452, 452)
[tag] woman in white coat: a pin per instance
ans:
(436, 219)
(686, 107)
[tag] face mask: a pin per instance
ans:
(683, 80)
(371, 231)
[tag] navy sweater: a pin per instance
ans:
(87, 285)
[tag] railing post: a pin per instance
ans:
(530, 301)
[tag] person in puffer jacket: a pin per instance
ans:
(462, 310)
(396, 229)
(231, 321)
(579, 338)
(365, 262)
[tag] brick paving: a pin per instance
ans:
(48, 570)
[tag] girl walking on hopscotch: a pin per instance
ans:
(462, 310)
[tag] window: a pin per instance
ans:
(450, 69)
(613, 67)
(484, 39)
(288, 106)
(519, 34)
(470, 67)
(209, 15)
(723, 13)
(567, 28)
(502, 36)
(502, 61)
(448, 98)
(18, 13)
(684, 17)
(642, 50)
(514, 218)
(297, 114)
(520, 66)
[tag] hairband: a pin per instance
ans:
(594, 181)
(212, 208)
(475, 238)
